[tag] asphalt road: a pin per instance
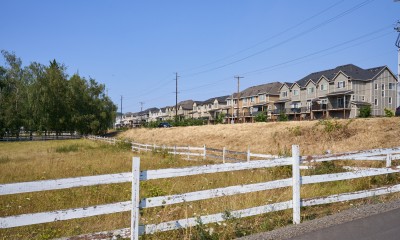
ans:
(380, 226)
(374, 221)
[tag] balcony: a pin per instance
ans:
(287, 111)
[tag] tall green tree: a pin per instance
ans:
(43, 98)
(13, 95)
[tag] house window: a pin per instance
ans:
(284, 94)
(252, 99)
(262, 98)
(323, 87)
(383, 93)
(390, 100)
(295, 92)
(296, 105)
(309, 105)
(376, 102)
(341, 84)
(310, 90)
(391, 86)
(376, 86)
(383, 86)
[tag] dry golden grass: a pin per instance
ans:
(31, 161)
(277, 137)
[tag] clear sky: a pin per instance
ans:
(135, 47)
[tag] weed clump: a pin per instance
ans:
(335, 130)
(68, 148)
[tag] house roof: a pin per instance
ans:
(268, 88)
(186, 105)
(221, 99)
(352, 71)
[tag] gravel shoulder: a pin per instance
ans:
(324, 222)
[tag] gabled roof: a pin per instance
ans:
(221, 99)
(186, 105)
(350, 70)
(268, 88)
(287, 84)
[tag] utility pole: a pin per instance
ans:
(121, 108)
(397, 28)
(176, 97)
(238, 95)
(232, 120)
(141, 106)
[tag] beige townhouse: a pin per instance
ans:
(339, 93)
(254, 100)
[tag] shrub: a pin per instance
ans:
(388, 112)
(335, 129)
(220, 118)
(261, 117)
(365, 112)
(282, 117)
(296, 131)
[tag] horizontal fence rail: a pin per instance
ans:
(188, 151)
(136, 176)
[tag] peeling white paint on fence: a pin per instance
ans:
(351, 196)
(347, 175)
(45, 217)
(213, 193)
(219, 217)
(225, 167)
(45, 185)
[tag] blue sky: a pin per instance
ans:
(135, 47)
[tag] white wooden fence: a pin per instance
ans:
(190, 151)
(387, 155)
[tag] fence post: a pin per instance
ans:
(296, 183)
(388, 160)
(135, 198)
(205, 152)
(248, 154)
(223, 155)
(175, 150)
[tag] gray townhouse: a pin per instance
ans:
(339, 93)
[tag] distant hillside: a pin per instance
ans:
(314, 137)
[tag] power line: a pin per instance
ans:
(262, 70)
(287, 40)
(270, 38)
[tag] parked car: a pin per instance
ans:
(398, 111)
(164, 125)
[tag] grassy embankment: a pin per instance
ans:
(59, 159)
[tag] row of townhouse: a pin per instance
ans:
(338, 93)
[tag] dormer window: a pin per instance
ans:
(284, 94)
(295, 92)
